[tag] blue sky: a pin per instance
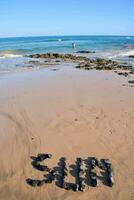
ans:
(66, 17)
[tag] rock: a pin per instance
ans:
(34, 62)
(81, 173)
(94, 162)
(35, 56)
(39, 167)
(84, 51)
(100, 165)
(110, 179)
(131, 72)
(131, 81)
(125, 67)
(66, 186)
(101, 61)
(70, 186)
(82, 186)
(131, 56)
(50, 177)
(87, 65)
(48, 181)
(107, 162)
(93, 178)
(32, 182)
(42, 156)
(123, 73)
(63, 171)
(78, 67)
(41, 183)
(54, 70)
(109, 171)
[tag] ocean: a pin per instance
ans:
(13, 51)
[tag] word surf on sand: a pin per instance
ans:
(85, 171)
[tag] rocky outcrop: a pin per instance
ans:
(98, 64)
(86, 63)
(59, 56)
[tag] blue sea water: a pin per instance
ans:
(111, 47)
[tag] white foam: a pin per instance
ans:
(122, 54)
(9, 55)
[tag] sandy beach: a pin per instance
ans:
(69, 113)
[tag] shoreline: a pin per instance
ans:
(80, 61)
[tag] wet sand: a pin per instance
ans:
(69, 113)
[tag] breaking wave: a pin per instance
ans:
(122, 54)
(9, 56)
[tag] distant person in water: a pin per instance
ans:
(73, 45)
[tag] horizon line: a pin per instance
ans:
(66, 36)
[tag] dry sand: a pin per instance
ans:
(71, 113)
